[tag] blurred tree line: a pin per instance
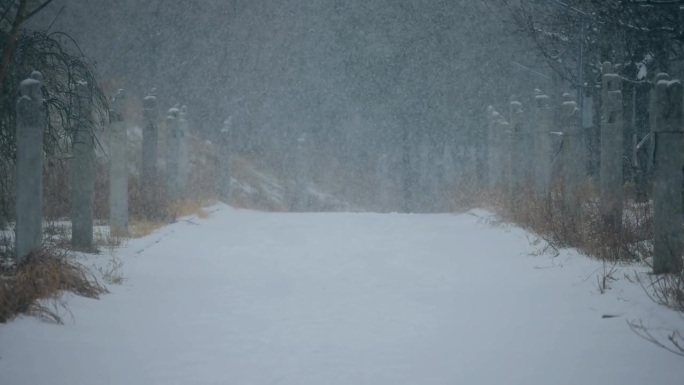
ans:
(360, 78)
(640, 37)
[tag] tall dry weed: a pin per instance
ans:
(41, 277)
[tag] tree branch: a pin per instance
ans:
(38, 9)
(11, 41)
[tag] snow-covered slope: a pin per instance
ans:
(256, 188)
(246, 297)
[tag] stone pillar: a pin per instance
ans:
(573, 159)
(183, 152)
(83, 173)
(4, 202)
(528, 160)
(301, 199)
(543, 119)
(225, 151)
(642, 138)
(667, 177)
(590, 136)
(652, 119)
(505, 147)
(493, 134)
(518, 147)
(480, 159)
(149, 173)
(29, 183)
(650, 156)
(118, 166)
(172, 150)
(610, 176)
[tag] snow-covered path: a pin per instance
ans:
(244, 297)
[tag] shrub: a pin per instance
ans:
(43, 275)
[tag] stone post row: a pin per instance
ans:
(225, 152)
(183, 152)
(29, 184)
(118, 166)
(301, 198)
(543, 118)
(518, 137)
(149, 157)
(493, 150)
(172, 150)
(83, 178)
(667, 177)
(610, 174)
(572, 159)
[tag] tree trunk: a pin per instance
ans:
(11, 41)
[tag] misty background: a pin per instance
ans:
(358, 78)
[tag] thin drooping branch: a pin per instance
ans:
(11, 40)
(38, 9)
(52, 53)
(601, 26)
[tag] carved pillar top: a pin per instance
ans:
(117, 111)
(30, 88)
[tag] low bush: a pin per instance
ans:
(585, 229)
(588, 232)
(30, 286)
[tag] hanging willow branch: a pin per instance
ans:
(52, 54)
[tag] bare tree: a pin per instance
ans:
(643, 37)
(14, 15)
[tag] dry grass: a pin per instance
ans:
(589, 234)
(668, 290)
(467, 194)
(140, 229)
(586, 232)
(59, 236)
(673, 341)
(108, 239)
(665, 289)
(148, 205)
(35, 285)
(190, 207)
(112, 273)
(116, 237)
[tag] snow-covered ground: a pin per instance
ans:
(246, 297)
